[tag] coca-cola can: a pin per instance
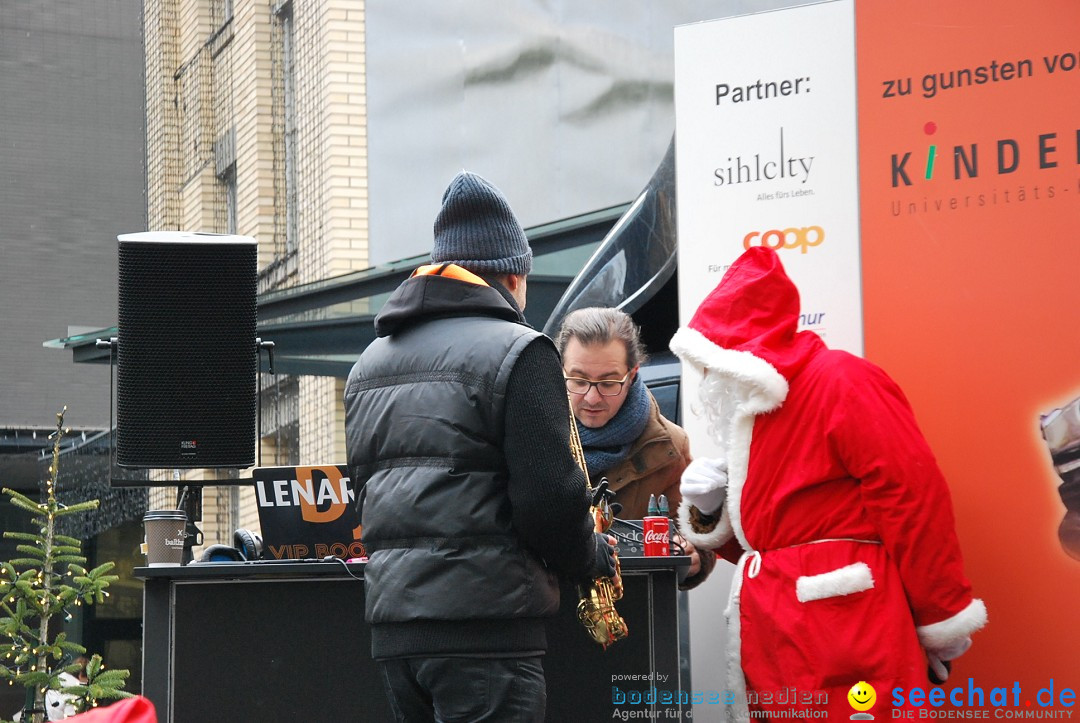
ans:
(657, 536)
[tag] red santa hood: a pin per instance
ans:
(746, 329)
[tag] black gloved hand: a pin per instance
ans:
(603, 564)
(601, 492)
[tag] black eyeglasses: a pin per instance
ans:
(606, 387)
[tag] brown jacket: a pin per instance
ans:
(654, 467)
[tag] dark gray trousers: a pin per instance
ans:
(456, 690)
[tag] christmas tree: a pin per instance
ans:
(42, 584)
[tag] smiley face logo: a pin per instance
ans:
(862, 696)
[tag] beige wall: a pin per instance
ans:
(210, 79)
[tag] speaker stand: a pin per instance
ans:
(189, 499)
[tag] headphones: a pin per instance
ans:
(246, 546)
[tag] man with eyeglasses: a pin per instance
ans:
(623, 434)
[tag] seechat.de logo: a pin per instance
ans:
(801, 238)
(862, 697)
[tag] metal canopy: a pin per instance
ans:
(320, 328)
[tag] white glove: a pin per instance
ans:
(939, 656)
(704, 484)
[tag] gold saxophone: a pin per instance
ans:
(596, 606)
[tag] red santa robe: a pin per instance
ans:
(850, 564)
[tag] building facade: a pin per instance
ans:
(71, 178)
(255, 125)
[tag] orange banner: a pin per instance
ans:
(969, 163)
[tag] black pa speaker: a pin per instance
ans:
(186, 353)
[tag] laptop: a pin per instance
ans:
(308, 512)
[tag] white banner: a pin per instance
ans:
(766, 153)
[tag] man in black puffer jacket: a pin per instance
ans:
(457, 425)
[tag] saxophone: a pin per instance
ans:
(596, 605)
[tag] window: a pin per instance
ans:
(230, 199)
(225, 170)
(221, 12)
(284, 14)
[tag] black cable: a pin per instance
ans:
(628, 523)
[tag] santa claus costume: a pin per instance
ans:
(849, 568)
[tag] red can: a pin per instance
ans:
(657, 536)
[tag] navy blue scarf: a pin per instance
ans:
(609, 445)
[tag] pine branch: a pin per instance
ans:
(24, 536)
(23, 561)
(22, 502)
(80, 507)
(30, 550)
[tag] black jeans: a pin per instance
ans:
(456, 690)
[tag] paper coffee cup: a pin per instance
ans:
(165, 532)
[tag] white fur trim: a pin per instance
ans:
(704, 540)
(768, 388)
(952, 630)
(739, 711)
(846, 580)
(762, 389)
(738, 458)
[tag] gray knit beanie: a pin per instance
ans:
(476, 229)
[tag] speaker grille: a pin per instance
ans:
(186, 356)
